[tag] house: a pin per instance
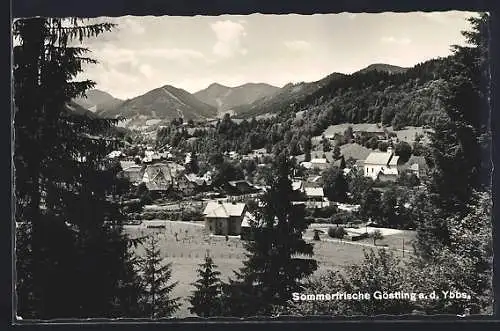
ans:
(158, 177)
(175, 169)
(233, 155)
(185, 185)
(115, 154)
(241, 188)
(306, 164)
(320, 164)
(348, 207)
(298, 185)
(133, 173)
(190, 183)
(373, 130)
(382, 165)
(315, 197)
(247, 232)
(314, 181)
(417, 166)
(223, 218)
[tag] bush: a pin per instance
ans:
(325, 212)
(342, 217)
(337, 232)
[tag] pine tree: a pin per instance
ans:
(272, 270)
(65, 188)
(206, 299)
(460, 156)
(193, 166)
(156, 298)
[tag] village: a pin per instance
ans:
(178, 194)
(193, 216)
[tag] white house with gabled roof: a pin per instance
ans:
(382, 165)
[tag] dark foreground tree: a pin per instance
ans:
(72, 258)
(206, 299)
(156, 300)
(335, 184)
(277, 259)
(460, 155)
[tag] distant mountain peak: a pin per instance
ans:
(97, 100)
(389, 68)
(214, 85)
(225, 98)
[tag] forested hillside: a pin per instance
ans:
(412, 97)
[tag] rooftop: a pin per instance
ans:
(314, 191)
(380, 158)
(216, 209)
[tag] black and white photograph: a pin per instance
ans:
(261, 165)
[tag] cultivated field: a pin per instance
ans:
(189, 248)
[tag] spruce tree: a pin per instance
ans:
(156, 301)
(206, 299)
(72, 258)
(272, 270)
(460, 157)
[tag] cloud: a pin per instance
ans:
(131, 24)
(229, 35)
(298, 45)
(113, 54)
(394, 40)
(146, 70)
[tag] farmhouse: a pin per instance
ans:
(186, 185)
(382, 165)
(320, 164)
(158, 177)
(417, 166)
(222, 218)
(372, 131)
(241, 189)
(315, 197)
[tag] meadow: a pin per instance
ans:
(184, 244)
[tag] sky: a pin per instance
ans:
(143, 53)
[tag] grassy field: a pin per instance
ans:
(189, 248)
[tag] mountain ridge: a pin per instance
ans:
(225, 98)
(161, 104)
(97, 101)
